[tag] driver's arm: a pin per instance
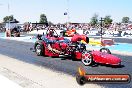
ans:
(54, 50)
(77, 38)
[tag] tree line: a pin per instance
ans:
(107, 20)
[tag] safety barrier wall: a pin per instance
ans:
(109, 33)
(94, 33)
(58, 31)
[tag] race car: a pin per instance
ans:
(53, 45)
(68, 33)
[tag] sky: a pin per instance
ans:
(79, 11)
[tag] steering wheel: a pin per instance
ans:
(50, 32)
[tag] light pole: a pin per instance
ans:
(9, 15)
(101, 24)
(67, 13)
(68, 17)
(8, 30)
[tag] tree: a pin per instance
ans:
(43, 19)
(125, 20)
(94, 20)
(107, 21)
(8, 18)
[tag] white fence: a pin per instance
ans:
(127, 33)
(44, 31)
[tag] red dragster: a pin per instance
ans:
(52, 45)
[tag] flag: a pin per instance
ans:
(65, 13)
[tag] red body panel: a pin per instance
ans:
(105, 58)
(78, 55)
(48, 52)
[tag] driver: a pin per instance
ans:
(51, 33)
(51, 40)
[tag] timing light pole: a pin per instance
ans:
(9, 15)
(101, 24)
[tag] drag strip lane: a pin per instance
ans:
(21, 51)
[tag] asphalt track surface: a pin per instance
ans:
(21, 51)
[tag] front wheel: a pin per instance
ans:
(39, 50)
(87, 59)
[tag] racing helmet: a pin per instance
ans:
(51, 33)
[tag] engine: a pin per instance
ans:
(77, 47)
(81, 47)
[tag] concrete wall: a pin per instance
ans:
(58, 32)
(94, 33)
